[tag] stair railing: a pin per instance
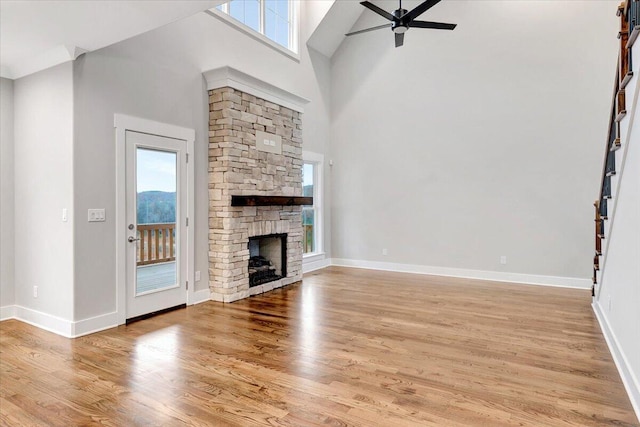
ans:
(629, 13)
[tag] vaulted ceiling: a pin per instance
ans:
(35, 35)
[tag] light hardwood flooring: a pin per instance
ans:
(345, 347)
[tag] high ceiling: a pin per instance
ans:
(35, 35)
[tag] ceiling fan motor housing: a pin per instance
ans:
(399, 26)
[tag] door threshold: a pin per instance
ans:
(154, 313)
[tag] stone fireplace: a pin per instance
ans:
(240, 164)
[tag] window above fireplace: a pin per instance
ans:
(274, 22)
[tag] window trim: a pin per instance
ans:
(318, 195)
(294, 31)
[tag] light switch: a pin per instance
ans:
(64, 215)
(96, 215)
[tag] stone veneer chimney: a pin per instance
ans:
(237, 167)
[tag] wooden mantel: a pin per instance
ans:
(271, 201)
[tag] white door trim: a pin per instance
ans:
(123, 123)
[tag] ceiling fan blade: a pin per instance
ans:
(435, 25)
(420, 9)
(377, 10)
(399, 39)
(379, 27)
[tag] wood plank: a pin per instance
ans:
(141, 245)
(621, 105)
(171, 254)
(344, 347)
(271, 201)
(149, 246)
(164, 244)
(156, 232)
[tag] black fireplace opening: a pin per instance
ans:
(267, 259)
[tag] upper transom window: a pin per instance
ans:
(275, 19)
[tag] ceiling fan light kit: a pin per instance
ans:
(402, 20)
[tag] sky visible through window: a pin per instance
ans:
(247, 12)
(276, 21)
(307, 174)
(276, 17)
(156, 171)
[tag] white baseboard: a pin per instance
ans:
(45, 321)
(495, 276)
(315, 265)
(201, 296)
(7, 312)
(94, 324)
(58, 325)
(631, 383)
(71, 329)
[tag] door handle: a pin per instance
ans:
(132, 239)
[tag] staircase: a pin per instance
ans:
(619, 130)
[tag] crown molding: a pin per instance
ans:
(230, 77)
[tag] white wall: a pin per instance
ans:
(7, 294)
(43, 108)
(618, 295)
(467, 145)
(158, 76)
(621, 275)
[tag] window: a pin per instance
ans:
(312, 215)
(275, 19)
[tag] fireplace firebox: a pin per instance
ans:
(267, 258)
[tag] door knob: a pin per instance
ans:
(132, 239)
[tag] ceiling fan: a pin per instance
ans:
(402, 20)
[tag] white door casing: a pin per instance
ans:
(132, 132)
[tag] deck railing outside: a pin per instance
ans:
(307, 237)
(156, 244)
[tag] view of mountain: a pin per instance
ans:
(307, 190)
(159, 207)
(156, 207)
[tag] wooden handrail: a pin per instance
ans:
(154, 245)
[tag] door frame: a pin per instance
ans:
(122, 124)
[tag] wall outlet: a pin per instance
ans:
(268, 142)
(35, 292)
(385, 252)
(503, 260)
(197, 276)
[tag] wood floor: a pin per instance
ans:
(345, 347)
